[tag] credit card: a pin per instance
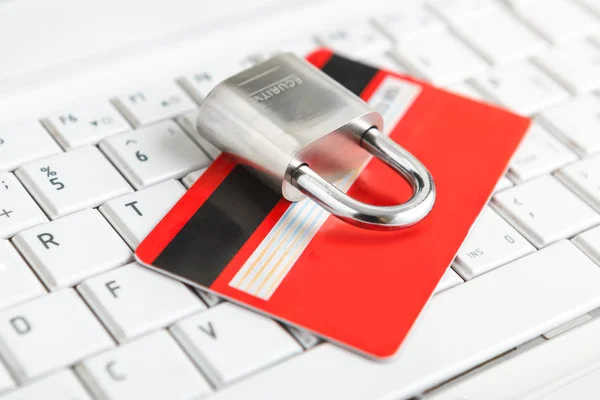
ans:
(235, 237)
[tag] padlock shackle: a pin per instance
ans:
(366, 215)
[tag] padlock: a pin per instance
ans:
(301, 130)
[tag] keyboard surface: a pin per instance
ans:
(79, 319)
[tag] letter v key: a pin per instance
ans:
(210, 330)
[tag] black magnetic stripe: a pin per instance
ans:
(220, 227)
(353, 75)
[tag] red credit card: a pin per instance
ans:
(237, 238)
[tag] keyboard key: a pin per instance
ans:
(18, 211)
(210, 299)
(301, 46)
(133, 300)
(66, 251)
(385, 61)
(559, 21)
(250, 60)
(48, 333)
(17, 280)
(6, 381)
(409, 21)
(449, 280)
(577, 122)
(70, 182)
(154, 154)
(465, 90)
(583, 386)
(154, 103)
(199, 83)
(188, 123)
(521, 87)
(439, 57)
(500, 38)
(559, 330)
(24, 143)
(458, 11)
(583, 178)
(518, 3)
(60, 385)
(545, 364)
(593, 5)
(192, 177)
(545, 211)
(503, 183)
(491, 243)
(460, 329)
(589, 243)
(85, 124)
(152, 368)
(229, 342)
(134, 215)
(575, 65)
(306, 340)
(539, 153)
(354, 39)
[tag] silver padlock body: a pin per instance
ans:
(283, 113)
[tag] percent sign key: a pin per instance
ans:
(52, 178)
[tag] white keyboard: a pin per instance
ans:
(79, 320)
